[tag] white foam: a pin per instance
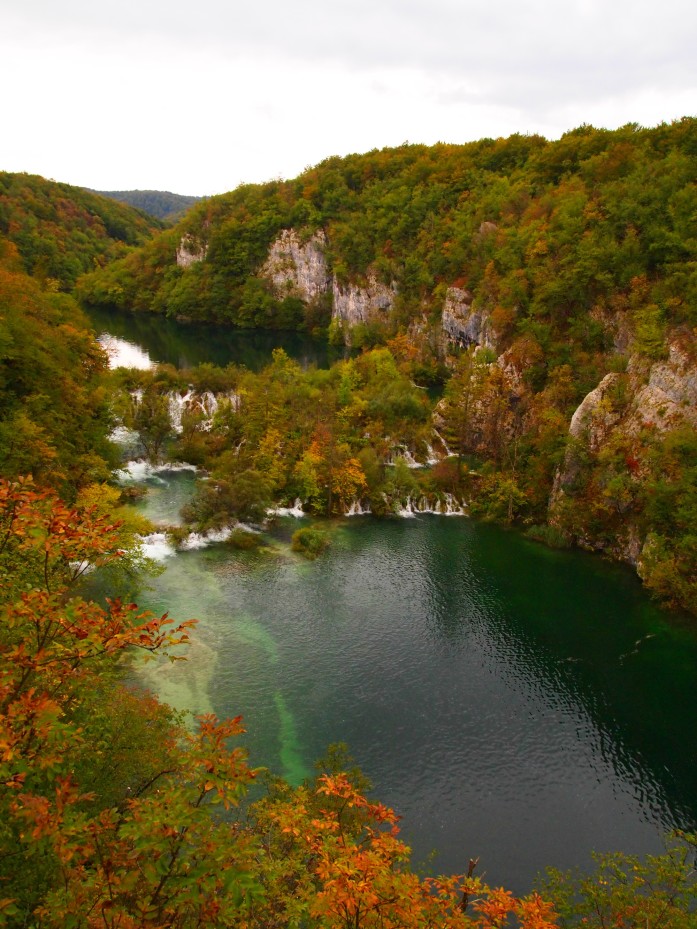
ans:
(196, 540)
(140, 470)
(122, 435)
(447, 505)
(157, 546)
(134, 472)
(402, 453)
(296, 510)
(448, 451)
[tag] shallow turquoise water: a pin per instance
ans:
(511, 702)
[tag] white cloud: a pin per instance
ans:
(197, 98)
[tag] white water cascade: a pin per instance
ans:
(358, 508)
(296, 510)
(402, 453)
(206, 403)
(447, 505)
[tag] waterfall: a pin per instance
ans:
(157, 546)
(358, 508)
(139, 470)
(449, 453)
(205, 403)
(196, 540)
(403, 453)
(296, 510)
(177, 403)
(431, 457)
(445, 505)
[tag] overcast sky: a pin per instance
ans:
(197, 97)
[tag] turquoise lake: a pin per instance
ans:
(511, 702)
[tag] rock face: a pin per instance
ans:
(297, 268)
(669, 398)
(190, 250)
(463, 323)
(594, 415)
(590, 424)
(658, 397)
(353, 304)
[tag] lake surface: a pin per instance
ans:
(511, 702)
(150, 338)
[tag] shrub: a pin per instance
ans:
(310, 542)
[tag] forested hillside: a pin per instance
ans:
(54, 409)
(552, 285)
(541, 232)
(158, 203)
(61, 231)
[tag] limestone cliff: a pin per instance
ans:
(669, 396)
(624, 412)
(464, 323)
(190, 250)
(354, 304)
(298, 268)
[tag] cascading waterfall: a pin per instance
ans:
(358, 508)
(140, 470)
(205, 403)
(442, 505)
(447, 505)
(296, 510)
(157, 546)
(402, 453)
(449, 453)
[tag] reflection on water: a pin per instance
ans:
(143, 337)
(124, 354)
(511, 702)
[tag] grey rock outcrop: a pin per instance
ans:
(190, 250)
(297, 268)
(354, 304)
(668, 399)
(593, 419)
(594, 416)
(463, 322)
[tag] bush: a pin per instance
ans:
(310, 542)
(244, 540)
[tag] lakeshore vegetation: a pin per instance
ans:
(581, 253)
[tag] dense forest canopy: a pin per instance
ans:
(55, 414)
(543, 232)
(62, 231)
(158, 203)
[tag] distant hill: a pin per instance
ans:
(61, 231)
(158, 203)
